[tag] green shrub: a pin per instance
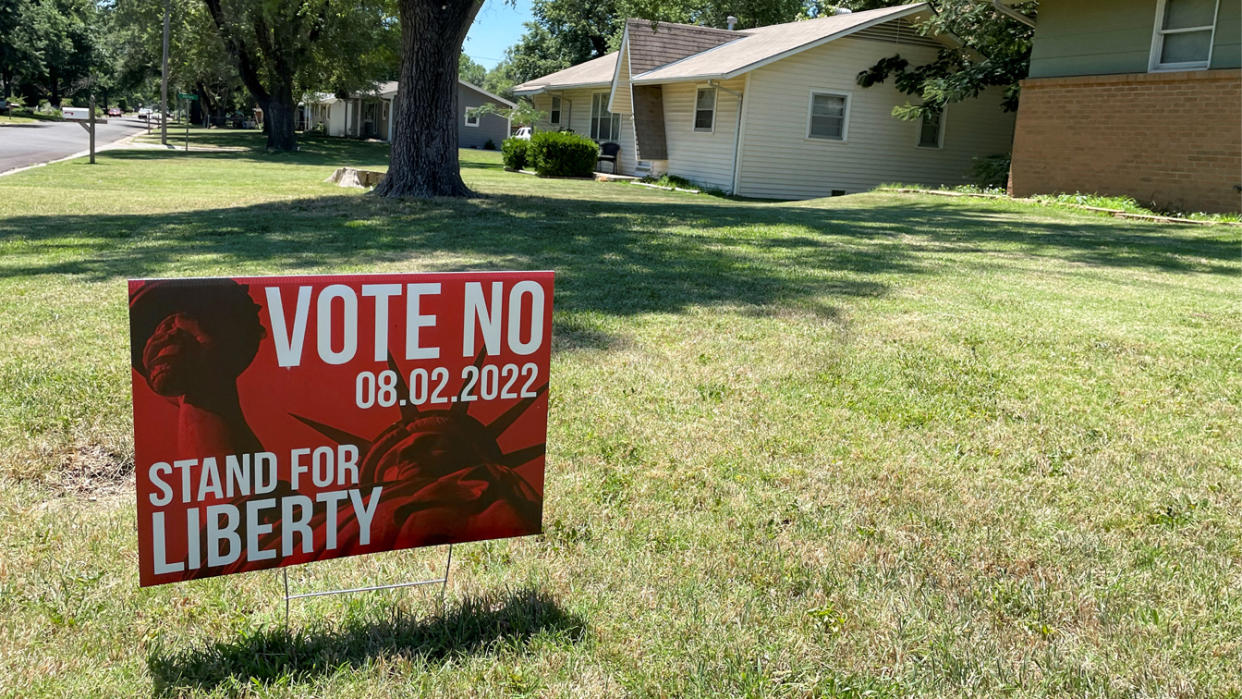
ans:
(991, 171)
(562, 154)
(490, 145)
(513, 152)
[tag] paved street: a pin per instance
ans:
(28, 144)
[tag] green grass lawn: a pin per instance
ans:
(27, 116)
(875, 445)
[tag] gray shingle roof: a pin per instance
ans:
(594, 73)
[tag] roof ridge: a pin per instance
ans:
(823, 18)
(679, 25)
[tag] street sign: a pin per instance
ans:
(283, 420)
(187, 96)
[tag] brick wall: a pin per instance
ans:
(1172, 139)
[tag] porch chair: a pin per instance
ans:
(608, 152)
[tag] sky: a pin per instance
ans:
(497, 27)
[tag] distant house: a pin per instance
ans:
(369, 114)
(773, 112)
(1134, 97)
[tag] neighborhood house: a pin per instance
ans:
(1134, 97)
(772, 112)
(369, 115)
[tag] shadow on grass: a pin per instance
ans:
(475, 626)
(615, 254)
(614, 257)
(313, 150)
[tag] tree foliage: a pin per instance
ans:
(471, 71)
(51, 48)
(197, 60)
(995, 52)
(282, 47)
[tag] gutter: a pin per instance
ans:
(1011, 13)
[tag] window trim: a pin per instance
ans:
(694, 108)
(845, 118)
(478, 118)
(1157, 42)
(554, 108)
(944, 113)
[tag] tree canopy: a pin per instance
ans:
(995, 52)
(51, 48)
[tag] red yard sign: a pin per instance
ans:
(280, 420)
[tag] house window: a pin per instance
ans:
(830, 113)
(931, 130)
(1183, 36)
(705, 109)
(555, 116)
(472, 118)
(605, 126)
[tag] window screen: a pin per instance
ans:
(605, 126)
(929, 133)
(705, 109)
(828, 116)
(1184, 37)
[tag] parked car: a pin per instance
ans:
(523, 133)
(114, 112)
(144, 113)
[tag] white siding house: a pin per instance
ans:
(773, 112)
(782, 160)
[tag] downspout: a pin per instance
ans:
(1011, 13)
(737, 131)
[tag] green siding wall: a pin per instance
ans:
(1103, 37)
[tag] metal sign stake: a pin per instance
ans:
(442, 581)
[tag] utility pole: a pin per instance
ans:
(164, 79)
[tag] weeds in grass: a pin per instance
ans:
(874, 445)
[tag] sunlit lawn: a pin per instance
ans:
(880, 443)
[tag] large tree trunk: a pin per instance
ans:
(279, 121)
(424, 148)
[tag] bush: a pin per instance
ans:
(562, 154)
(490, 145)
(991, 171)
(513, 153)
